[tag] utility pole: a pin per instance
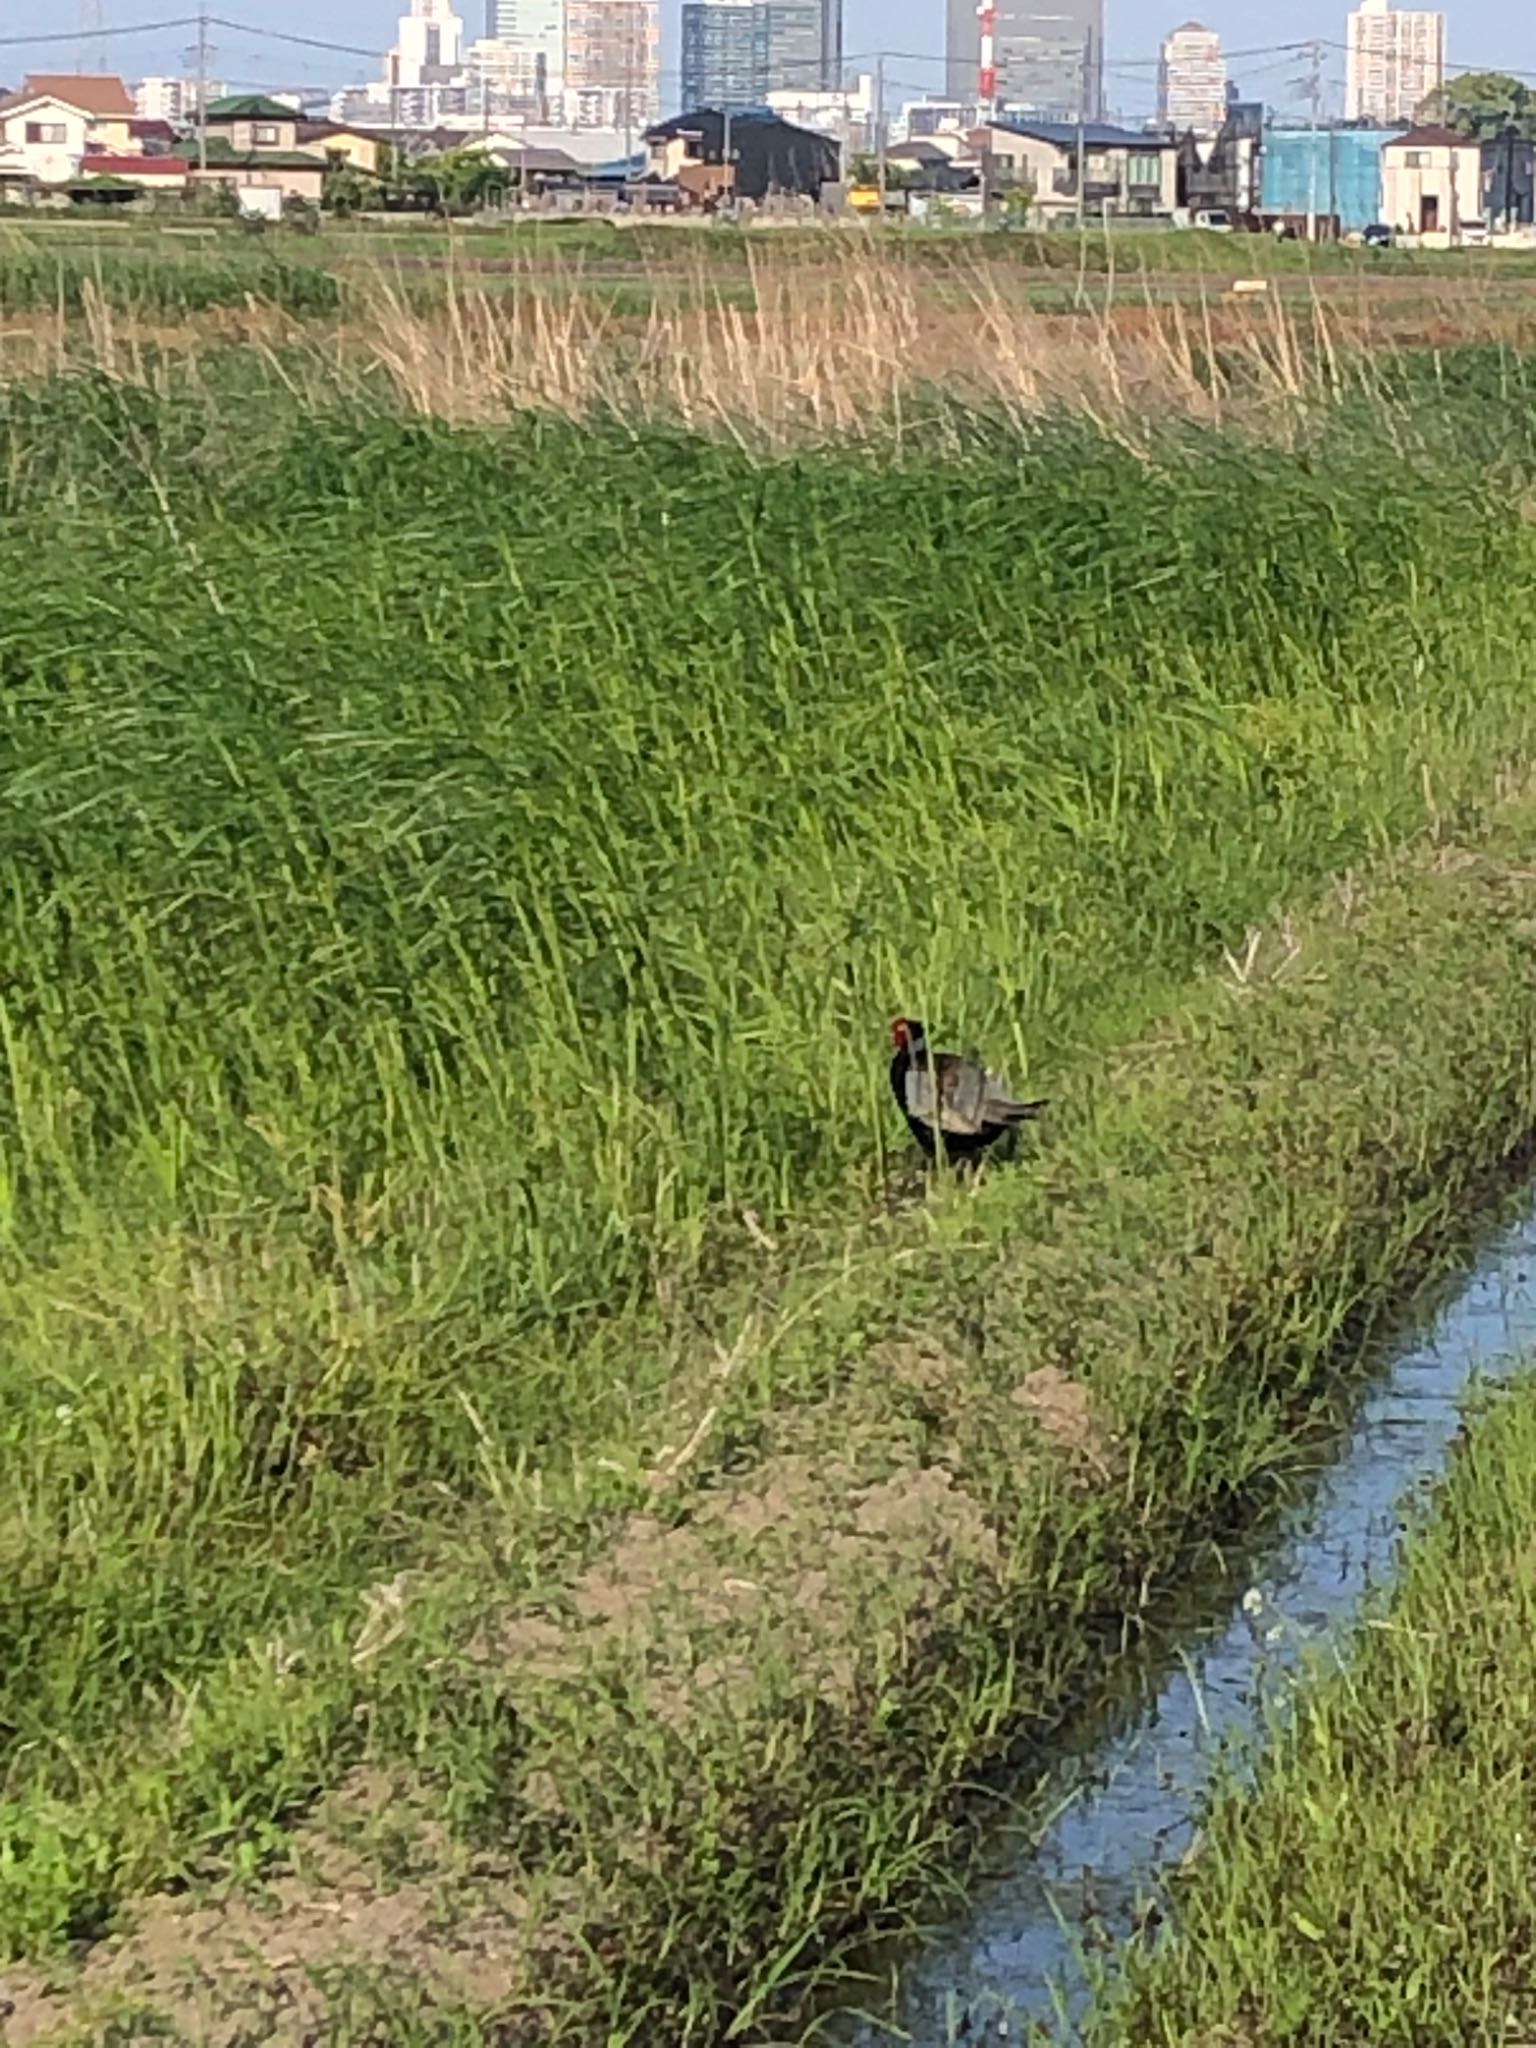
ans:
(630, 18)
(202, 88)
(1509, 175)
(1082, 134)
(1312, 85)
(882, 168)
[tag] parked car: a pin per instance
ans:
(1378, 236)
(1474, 234)
(1215, 220)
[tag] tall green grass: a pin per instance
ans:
(159, 279)
(449, 878)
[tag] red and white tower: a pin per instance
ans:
(987, 14)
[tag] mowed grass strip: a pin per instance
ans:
(1375, 1885)
(453, 878)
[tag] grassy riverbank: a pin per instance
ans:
(1375, 1887)
(490, 1449)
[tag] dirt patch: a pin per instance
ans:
(226, 1971)
(242, 1970)
(812, 1573)
(920, 1366)
(1062, 1410)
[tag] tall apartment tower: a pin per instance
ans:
(719, 54)
(831, 45)
(522, 55)
(1396, 60)
(612, 63)
(735, 52)
(1050, 58)
(429, 49)
(1192, 81)
(526, 24)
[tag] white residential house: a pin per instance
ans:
(47, 128)
(1432, 185)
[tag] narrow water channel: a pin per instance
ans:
(1062, 1895)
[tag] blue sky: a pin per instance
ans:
(1482, 32)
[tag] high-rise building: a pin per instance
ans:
(1192, 81)
(791, 50)
(1050, 57)
(612, 63)
(832, 79)
(521, 22)
(520, 60)
(429, 49)
(1396, 60)
(171, 99)
(736, 52)
(719, 54)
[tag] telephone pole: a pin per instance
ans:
(882, 166)
(202, 88)
(629, 86)
(1082, 133)
(1311, 83)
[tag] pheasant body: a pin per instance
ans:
(951, 1101)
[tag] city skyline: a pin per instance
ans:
(1050, 59)
(1481, 34)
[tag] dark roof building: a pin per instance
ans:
(768, 155)
(1065, 134)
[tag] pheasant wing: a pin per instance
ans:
(952, 1093)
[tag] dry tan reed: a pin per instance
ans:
(827, 352)
(802, 351)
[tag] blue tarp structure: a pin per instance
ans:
(1326, 171)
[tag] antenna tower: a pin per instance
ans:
(92, 31)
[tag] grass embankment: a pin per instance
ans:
(1376, 1886)
(455, 889)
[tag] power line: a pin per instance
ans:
(142, 28)
(1118, 67)
(277, 35)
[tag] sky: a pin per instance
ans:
(1482, 33)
